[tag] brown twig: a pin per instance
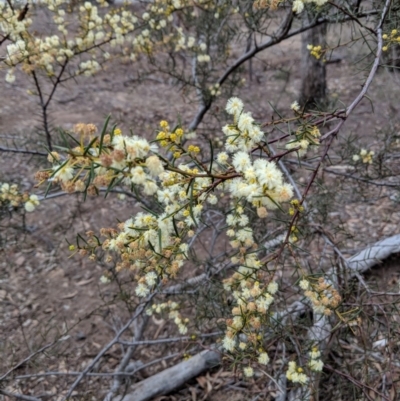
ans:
(114, 341)
(19, 396)
(359, 384)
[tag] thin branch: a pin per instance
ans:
(370, 78)
(366, 180)
(138, 332)
(278, 38)
(171, 340)
(44, 110)
(116, 191)
(30, 357)
(19, 396)
(28, 152)
(361, 385)
(114, 341)
(56, 83)
(321, 328)
(283, 35)
(3, 39)
(351, 16)
(106, 374)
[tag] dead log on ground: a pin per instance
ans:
(172, 378)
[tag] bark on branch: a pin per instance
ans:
(172, 378)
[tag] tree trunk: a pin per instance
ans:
(313, 71)
(391, 58)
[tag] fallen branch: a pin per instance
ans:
(373, 255)
(172, 378)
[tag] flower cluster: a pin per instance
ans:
(253, 297)
(316, 51)
(244, 133)
(120, 26)
(203, 57)
(298, 5)
(323, 297)
(173, 314)
(111, 157)
(104, 279)
(215, 90)
(14, 22)
(153, 245)
(295, 206)
(158, 30)
(271, 4)
(295, 106)
(89, 67)
(253, 301)
(10, 196)
(261, 183)
(365, 156)
(392, 38)
(81, 38)
(315, 362)
(305, 136)
(171, 140)
(296, 374)
(36, 52)
(263, 359)
(148, 244)
(31, 203)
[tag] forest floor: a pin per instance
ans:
(45, 293)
